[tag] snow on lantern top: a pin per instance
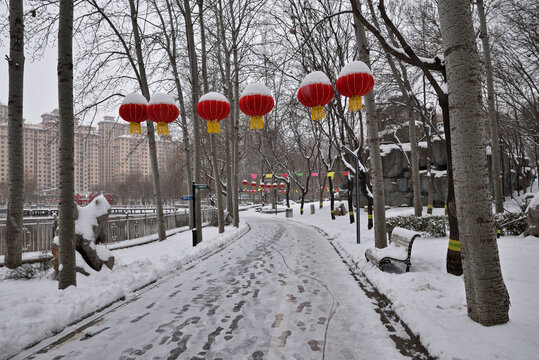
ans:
(213, 96)
(316, 77)
(162, 98)
(135, 98)
(354, 67)
(256, 88)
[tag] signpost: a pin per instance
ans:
(351, 153)
(192, 198)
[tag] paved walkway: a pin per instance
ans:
(279, 292)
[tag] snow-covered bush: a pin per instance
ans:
(516, 223)
(434, 226)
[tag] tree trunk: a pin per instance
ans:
(494, 137)
(66, 207)
(14, 220)
(191, 49)
(216, 175)
(430, 186)
(414, 163)
(486, 294)
(235, 128)
(380, 235)
(158, 199)
(288, 195)
(322, 188)
(350, 200)
(332, 199)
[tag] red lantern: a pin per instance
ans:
(134, 111)
(355, 80)
(256, 101)
(315, 92)
(281, 185)
(274, 185)
(162, 110)
(244, 182)
(213, 107)
(253, 184)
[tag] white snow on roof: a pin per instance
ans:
(316, 77)
(162, 98)
(355, 67)
(88, 215)
(256, 88)
(134, 98)
(213, 96)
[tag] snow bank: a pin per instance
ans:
(134, 98)
(316, 77)
(213, 96)
(162, 98)
(256, 88)
(355, 67)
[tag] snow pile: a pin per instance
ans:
(534, 203)
(88, 215)
(213, 96)
(162, 98)
(256, 88)
(316, 77)
(355, 67)
(135, 98)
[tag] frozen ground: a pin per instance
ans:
(276, 293)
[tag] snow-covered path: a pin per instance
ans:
(279, 292)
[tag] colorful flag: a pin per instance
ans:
(345, 173)
(284, 175)
(299, 174)
(315, 174)
(269, 176)
(254, 176)
(331, 174)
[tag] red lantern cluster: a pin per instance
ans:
(316, 92)
(134, 111)
(162, 110)
(256, 101)
(213, 107)
(355, 80)
(253, 184)
(281, 185)
(244, 182)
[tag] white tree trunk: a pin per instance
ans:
(14, 220)
(494, 136)
(380, 234)
(486, 294)
(66, 207)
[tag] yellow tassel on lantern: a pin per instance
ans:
(355, 104)
(317, 113)
(214, 127)
(257, 123)
(134, 128)
(162, 128)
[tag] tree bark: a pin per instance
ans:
(380, 235)
(494, 136)
(15, 207)
(216, 175)
(486, 294)
(158, 199)
(332, 199)
(66, 208)
(414, 163)
(236, 126)
(193, 65)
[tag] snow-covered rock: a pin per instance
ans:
(533, 217)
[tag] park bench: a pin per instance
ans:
(399, 249)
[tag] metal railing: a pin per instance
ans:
(38, 233)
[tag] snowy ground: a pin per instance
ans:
(433, 302)
(269, 295)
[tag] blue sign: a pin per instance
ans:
(187, 197)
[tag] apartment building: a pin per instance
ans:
(104, 155)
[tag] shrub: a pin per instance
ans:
(510, 223)
(434, 226)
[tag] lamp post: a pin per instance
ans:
(351, 153)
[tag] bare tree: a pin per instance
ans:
(66, 207)
(14, 220)
(486, 295)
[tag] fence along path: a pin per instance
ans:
(39, 232)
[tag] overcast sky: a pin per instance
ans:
(40, 83)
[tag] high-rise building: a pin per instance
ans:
(103, 156)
